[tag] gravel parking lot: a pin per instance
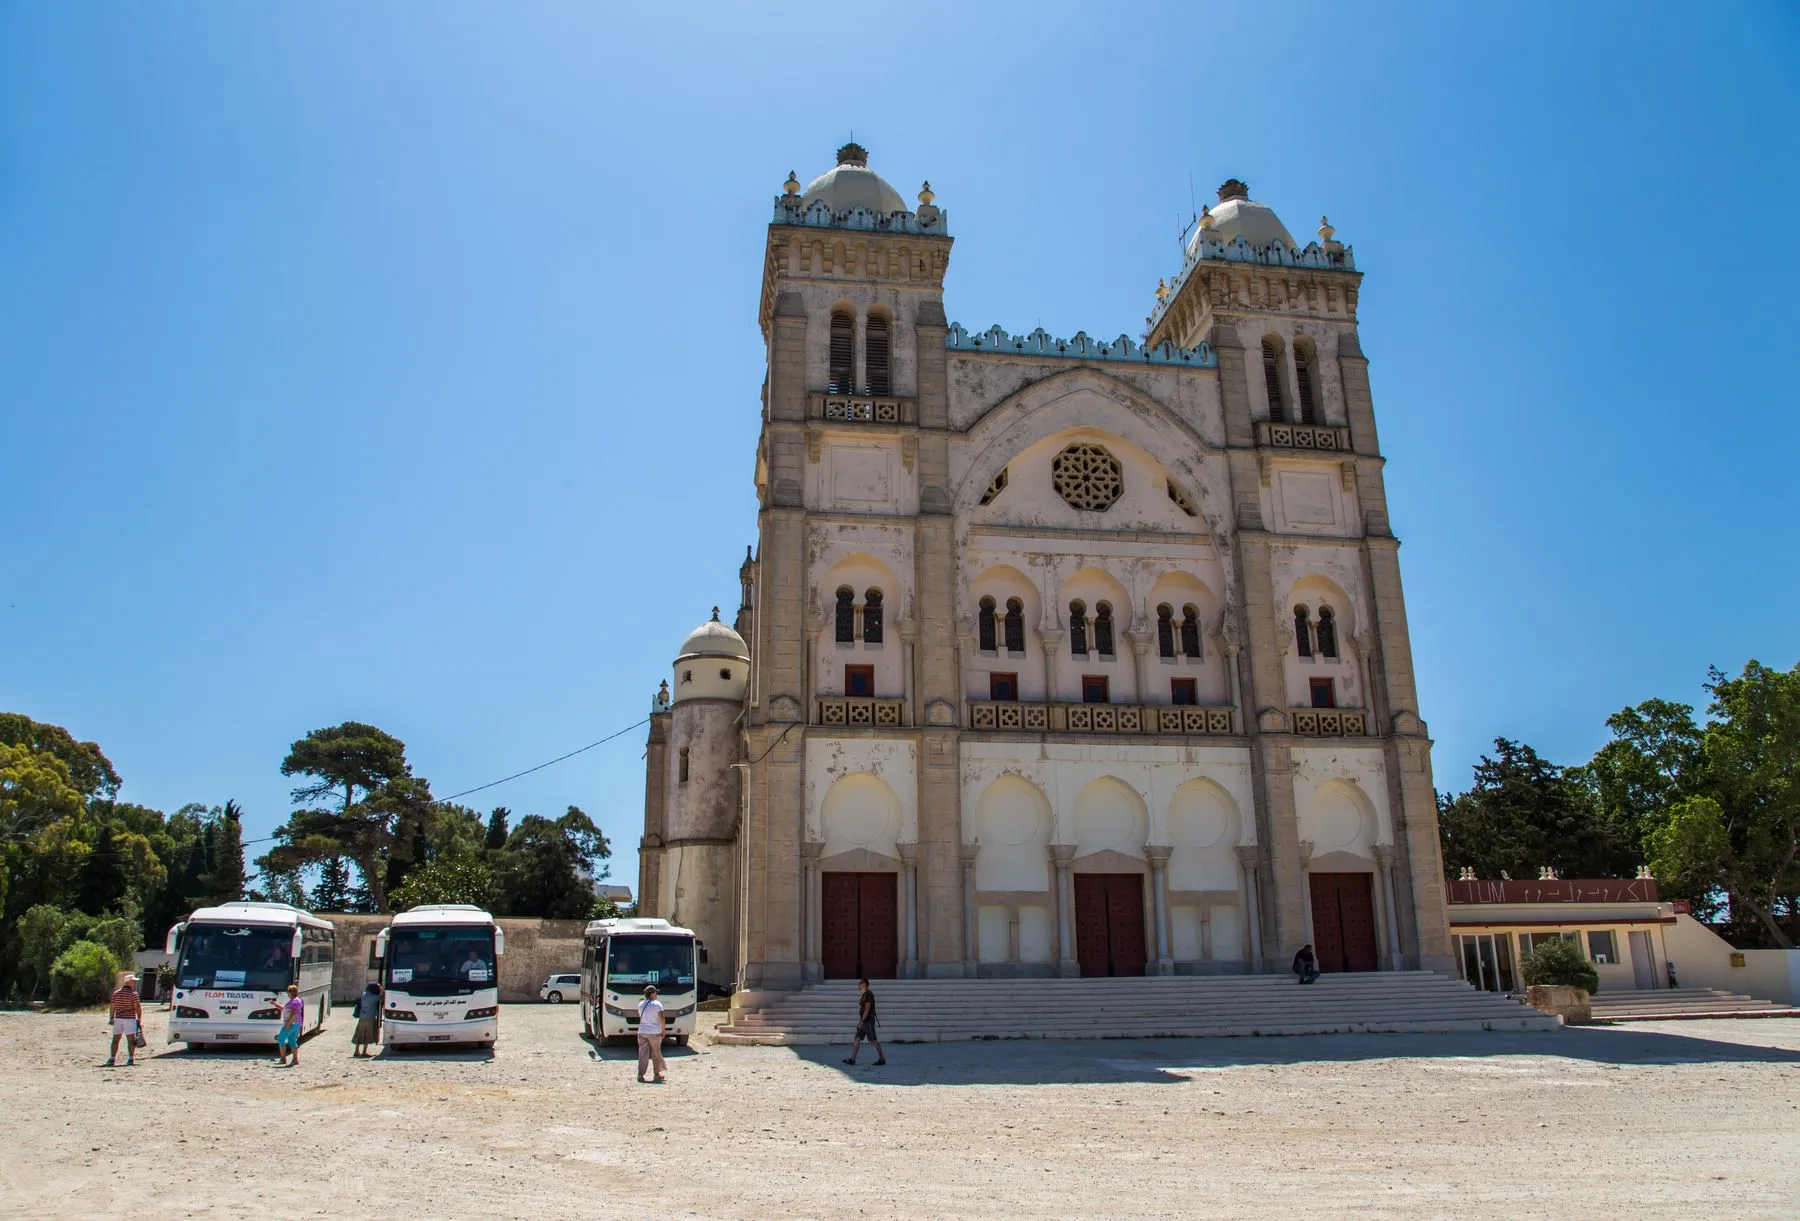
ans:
(1675, 1119)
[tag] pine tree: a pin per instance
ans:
(100, 886)
(332, 894)
(226, 882)
(497, 830)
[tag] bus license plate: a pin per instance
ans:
(224, 1038)
(440, 1038)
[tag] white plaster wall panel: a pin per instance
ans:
(894, 762)
(993, 939)
(1011, 820)
(1204, 829)
(1184, 932)
(1109, 815)
(1037, 933)
(860, 811)
(1310, 500)
(1227, 934)
(1362, 767)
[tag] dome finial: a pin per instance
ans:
(926, 195)
(792, 185)
(1325, 230)
(715, 617)
(1207, 220)
(1233, 188)
(853, 154)
(1162, 289)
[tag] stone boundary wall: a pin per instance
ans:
(534, 949)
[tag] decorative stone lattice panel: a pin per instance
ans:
(1088, 477)
(1327, 722)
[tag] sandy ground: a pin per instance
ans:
(1675, 1119)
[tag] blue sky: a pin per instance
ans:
(399, 362)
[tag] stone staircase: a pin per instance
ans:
(945, 1010)
(1656, 1004)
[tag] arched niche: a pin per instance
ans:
(1012, 821)
(860, 811)
(1109, 816)
(1338, 819)
(1205, 827)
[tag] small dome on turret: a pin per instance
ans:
(852, 184)
(1240, 216)
(714, 639)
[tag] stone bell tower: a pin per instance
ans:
(852, 313)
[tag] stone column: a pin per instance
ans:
(908, 631)
(1384, 882)
(1140, 650)
(1066, 964)
(1158, 856)
(1246, 855)
(1049, 642)
(1235, 686)
(909, 927)
(971, 954)
(810, 901)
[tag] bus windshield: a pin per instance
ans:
(441, 961)
(249, 957)
(632, 963)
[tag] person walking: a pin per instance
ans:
(368, 1021)
(293, 1021)
(650, 1035)
(865, 1025)
(127, 1021)
(1306, 964)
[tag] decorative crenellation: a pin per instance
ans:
(1326, 256)
(1006, 716)
(1041, 343)
(928, 221)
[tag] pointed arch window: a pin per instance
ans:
(984, 626)
(1271, 360)
(1015, 626)
(1303, 631)
(875, 354)
(1165, 630)
(1190, 633)
(1078, 628)
(872, 617)
(1303, 382)
(846, 615)
(1103, 629)
(842, 355)
(1328, 646)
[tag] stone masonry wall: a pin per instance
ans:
(534, 949)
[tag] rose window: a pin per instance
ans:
(1087, 477)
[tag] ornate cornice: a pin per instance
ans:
(1041, 343)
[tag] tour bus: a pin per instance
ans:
(620, 958)
(439, 977)
(233, 964)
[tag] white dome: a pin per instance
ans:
(714, 639)
(1240, 216)
(852, 184)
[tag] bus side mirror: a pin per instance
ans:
(701, 946)
(378, 950)
(173, 941)
(299, 942)
(499, 941)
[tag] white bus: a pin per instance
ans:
(233, 964)
(620, 958)
(440, 977)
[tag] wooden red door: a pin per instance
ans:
(1109, 923)
(859, 925)
(1343, 920)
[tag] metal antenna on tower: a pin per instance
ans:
(1193, 213)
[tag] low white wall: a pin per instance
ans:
(1703, 959)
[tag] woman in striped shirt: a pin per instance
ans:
(127, 1020)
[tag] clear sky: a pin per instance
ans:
(399, 362)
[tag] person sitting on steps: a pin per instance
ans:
(1306, 964)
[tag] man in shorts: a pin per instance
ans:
(127, 1020)
(865, 1025)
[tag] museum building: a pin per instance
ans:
(1055, 656)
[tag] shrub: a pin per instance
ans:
(1559, 961)
(83, 974)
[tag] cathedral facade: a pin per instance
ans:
(1056, 656)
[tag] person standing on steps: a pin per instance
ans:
(650, 1035)
(127, 1020)
(1306, 964)
(865, 1025)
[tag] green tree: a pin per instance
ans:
(1524, 813)
(1558, 960)
(497, 830)
(332, 891)
(41, 939)
(377, 805)
(121, 935)
(90, 771)
(83, 974)
(226, 881)
(450, 879)
(548, 868)
(102, 884)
